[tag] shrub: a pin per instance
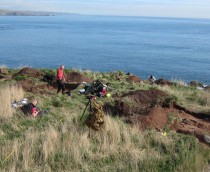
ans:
(19, 78)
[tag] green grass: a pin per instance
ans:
(59, 141)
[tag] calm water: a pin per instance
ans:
(169, 48)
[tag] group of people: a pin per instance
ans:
(31, 108)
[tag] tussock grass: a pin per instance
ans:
(9, 93)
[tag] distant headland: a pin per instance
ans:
(31, 13)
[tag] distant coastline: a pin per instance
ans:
(31, 13)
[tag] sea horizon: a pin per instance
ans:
(170, 48)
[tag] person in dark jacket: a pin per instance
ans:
(32, 110)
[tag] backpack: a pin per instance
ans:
(96, 117)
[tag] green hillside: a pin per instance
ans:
(59, 141)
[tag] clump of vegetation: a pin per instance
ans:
(19, 78)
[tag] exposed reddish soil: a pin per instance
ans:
(147, 110)
(29, 72)
(29, 86)
(26, 84)
(145, 97)
(44, 88)
(77, 77)
(163, 82)
(134, 79)
(68, 86)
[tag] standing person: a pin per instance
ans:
(60, 79)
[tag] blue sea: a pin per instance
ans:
(170, 48)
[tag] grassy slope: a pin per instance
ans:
(59, 141)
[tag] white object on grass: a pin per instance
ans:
(82, 91)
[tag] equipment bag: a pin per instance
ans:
(96, 117)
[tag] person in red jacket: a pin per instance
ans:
(34, 110)
(60, 79)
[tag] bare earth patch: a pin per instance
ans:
(148, 110)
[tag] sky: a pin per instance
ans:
(154, 8)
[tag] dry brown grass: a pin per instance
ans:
(77, 146)
(9, 93)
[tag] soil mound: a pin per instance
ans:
(29, 86)
(26, 85)
(187, 122)
(147, 109)
(156, 119)
(145, 97)
(68, 86)
(29, 72)
(142, 107)
(43, 89)
(163, 82)
(134, 79)
(77, 77)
